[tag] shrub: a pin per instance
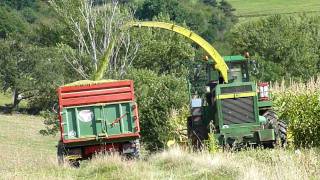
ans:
(157, 96)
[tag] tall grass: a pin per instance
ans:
(25, 154)
(298, 103)
(293, 87)
(179, 164)
(5, 98)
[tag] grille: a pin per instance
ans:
(236, 89)
(237, 111)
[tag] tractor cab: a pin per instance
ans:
(238, 68)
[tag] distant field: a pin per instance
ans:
(25, 154)
(253, 8)
(5, 98)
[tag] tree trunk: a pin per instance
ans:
(16, 99)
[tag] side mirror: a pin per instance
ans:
(255, 66)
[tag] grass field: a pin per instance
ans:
(5, 98)
(254, 8)
(25, 154)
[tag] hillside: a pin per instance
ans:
(25, 154)
(254, 8)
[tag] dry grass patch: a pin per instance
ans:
(25, 154)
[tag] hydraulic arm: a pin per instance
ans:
(219, 63)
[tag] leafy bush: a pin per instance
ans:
(157, 96)
(51, 122)
(299, 105)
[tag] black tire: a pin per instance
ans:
(136, 153)
(283, 132)
(60, 153)
(193, 135)
(279, 126)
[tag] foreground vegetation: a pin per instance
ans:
(25, 154)
(298, 103)
(45, 45)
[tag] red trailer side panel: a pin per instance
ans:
(99, 93)
(101, 111)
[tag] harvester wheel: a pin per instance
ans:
(279, 126)
(193, 135)
(283, 132)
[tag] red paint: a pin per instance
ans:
(266, 95)
(90, 150)
(118, 119)
(137, 135)
(96, 92)
(136, 120)
(92, 94)
(96, 99)
(105, 85)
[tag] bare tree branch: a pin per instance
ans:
(94, 27)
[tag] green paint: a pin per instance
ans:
(238, 130)
(98, 121)
(266, 135)
(237, 58)
(265, 104)
(262, 119)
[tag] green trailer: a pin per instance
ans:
(98, 118)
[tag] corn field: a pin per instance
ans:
(298, 103)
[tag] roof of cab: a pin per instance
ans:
(237, 58)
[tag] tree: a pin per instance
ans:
(227, 8)
(11, 23)
(285, 46)
(162, 51)
(96, 29)
(30, 72)
(211, 21)
(152, 8)
(157, 95)
(20, 4)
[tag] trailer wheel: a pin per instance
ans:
(60, 153)
(279, 126)
(136, 153)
